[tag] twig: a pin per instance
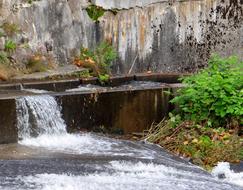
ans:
(130, 70)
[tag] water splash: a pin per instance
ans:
(222, 170)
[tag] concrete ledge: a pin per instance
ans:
(57, 86)
(62, 85)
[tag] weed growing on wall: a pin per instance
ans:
(95, 12)
(10, 46)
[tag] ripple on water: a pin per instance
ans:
(129, 176)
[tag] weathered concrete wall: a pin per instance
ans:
(8, 128)
(158, 35)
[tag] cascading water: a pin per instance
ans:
(96, 162)
(39, 115)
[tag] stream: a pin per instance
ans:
(48, 158)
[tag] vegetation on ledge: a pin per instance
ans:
(98, 61)
(209, 124)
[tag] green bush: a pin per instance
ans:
(214, 96)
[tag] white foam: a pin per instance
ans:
(127, 176)
(88, 87)
(85, 144)
(223, 168)
(36, 91)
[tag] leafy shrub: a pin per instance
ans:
(214, 96)
(10, 46)
(98, 61)
(95, 12)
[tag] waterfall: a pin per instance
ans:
(39, 115)
(40, 125)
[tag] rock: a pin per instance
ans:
(3, 76)
(221, 176)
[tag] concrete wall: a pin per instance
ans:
(158, 35)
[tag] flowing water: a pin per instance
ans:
(49, 158)
(126, 86)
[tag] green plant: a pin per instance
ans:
(95, 12)
(4, 58)
(10, 29)
(99, 60)
(214, 96)
(10, 46)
